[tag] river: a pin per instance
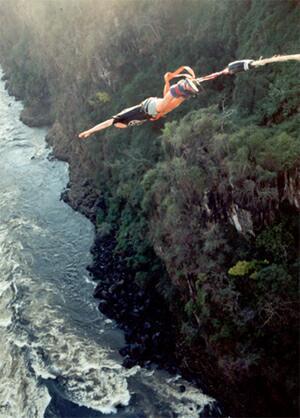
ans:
(59, 354)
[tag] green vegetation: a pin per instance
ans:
(243, 268)
(173, 190)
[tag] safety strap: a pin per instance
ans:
(189, 74)
(275, 58)
(212, 76)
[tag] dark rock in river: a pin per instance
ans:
(141, 313)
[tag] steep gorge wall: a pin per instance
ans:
(215, 189)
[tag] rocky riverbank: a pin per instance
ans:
(142, 313)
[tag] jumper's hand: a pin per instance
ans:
(84, 135)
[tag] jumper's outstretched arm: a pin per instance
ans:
(100, 127)
(97, 128)
(103, 125)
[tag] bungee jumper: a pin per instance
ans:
(154, 108)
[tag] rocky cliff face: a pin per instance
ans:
(81, 192)
(287, 186)
(212, 197)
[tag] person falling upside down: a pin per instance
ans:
(153, 108)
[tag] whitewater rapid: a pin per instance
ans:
(59, 354)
